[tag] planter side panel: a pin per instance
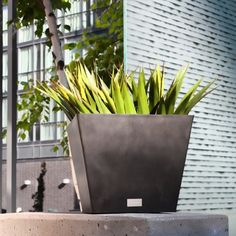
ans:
(79, 164)
(133, 163)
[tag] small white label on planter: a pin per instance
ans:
(134, 202)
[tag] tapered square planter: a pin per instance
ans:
(129, 163)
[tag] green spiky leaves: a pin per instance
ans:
(87, 93)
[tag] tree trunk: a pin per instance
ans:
(56, 45)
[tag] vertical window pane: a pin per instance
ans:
(24, 65)
(25, 34)
(19, 115)
(25, 60)
(69, 54)
(48, 129)
(92, 18)
(60, 121)
(4, 18)
(84, 15)
(4, 72)
(4, 113)
(4, 26)
(4, 38)
(73, 17)
(46, 63)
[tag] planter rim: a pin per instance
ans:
(132, 115)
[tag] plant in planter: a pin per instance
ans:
(132, 161)
(123, 163)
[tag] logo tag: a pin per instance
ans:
(134, 202)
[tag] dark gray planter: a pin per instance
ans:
(129, 163)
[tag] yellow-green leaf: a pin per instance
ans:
(142, 96)
(128, 101)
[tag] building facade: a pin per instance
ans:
(202, 34)
(35, 62)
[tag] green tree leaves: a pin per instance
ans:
(103, 42)
(32, 12)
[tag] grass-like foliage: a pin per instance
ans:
(87, 93)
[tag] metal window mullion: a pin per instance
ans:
(1, 77)
(36, 127)
(31, 132)
(125, 24)
(81, 15)
(12, 113)
(54, 123)
(88, 19)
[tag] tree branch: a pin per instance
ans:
(56, 44)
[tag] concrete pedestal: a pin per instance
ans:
(173, 224)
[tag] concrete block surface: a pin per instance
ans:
(165, 224)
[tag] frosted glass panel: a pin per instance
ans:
(48, 128)
(25, 60)
(25, 34)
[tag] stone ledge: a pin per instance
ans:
(168, 224)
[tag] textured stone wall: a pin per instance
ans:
(61, 200)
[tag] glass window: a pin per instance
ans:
(48, 129)
(4, 18)
(73, 17)
(4, 72)
(84, 15)
(69, 54)
(25, 34)
(4, 113)
(35, 62)
(19, 115)
(4, 116)
(92, 18)
(25, 65)
(46, 63)
(4, 26)
(4, 38)
(25, 60)
(47, 58)
(75, 8)
(60, 120)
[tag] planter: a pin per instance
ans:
(129, 163)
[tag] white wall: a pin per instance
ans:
(203, 34)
